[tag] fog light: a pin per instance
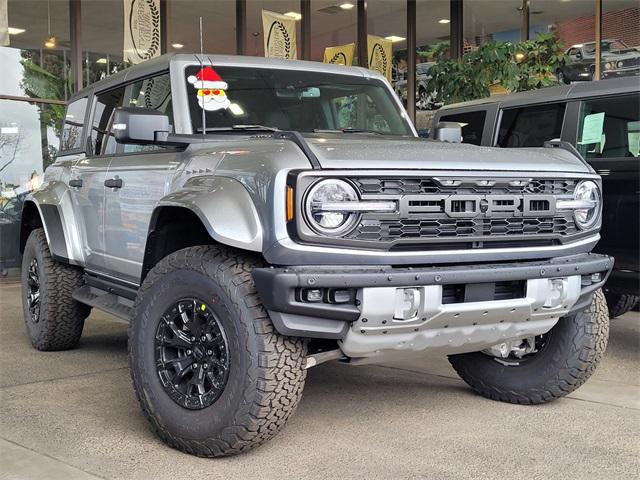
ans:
(313, 295)
(407, 303)
(340, 295)
(596, 277)
(557, 292)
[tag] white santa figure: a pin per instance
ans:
(211, 89)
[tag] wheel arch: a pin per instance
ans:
(222, 213)
(48, 218)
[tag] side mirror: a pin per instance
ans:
(578, 54)
(448, 132)
(141, 126)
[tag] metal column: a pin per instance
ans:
(456, 29)
(524, 14)
(164, 40)
(241, 27)
(411, 59)
(598, 53)
(363, 61)
(305, 26)
(75, 27)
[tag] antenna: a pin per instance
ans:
(204, 114)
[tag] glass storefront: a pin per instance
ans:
(37, 77)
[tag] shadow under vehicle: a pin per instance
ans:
(253, 217)
(601, 120)
(618, 60)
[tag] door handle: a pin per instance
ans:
(113, 183)
(75, 183)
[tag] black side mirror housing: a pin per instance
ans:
(578, 54)
(141, 126)
(448, 132)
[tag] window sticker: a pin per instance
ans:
(211, 90)
(592, 128)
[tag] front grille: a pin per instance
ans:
(479, 211)
(409, 185)
(391, 230)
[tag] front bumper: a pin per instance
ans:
(367, 325)
(622, 72)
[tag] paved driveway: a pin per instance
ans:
(73, 415)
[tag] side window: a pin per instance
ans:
(73, 125)
(154, 93)
(102, 141)
(531, 126)
(610, 127)
(472, 124)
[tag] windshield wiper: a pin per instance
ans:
(345, 130)
(241, 128)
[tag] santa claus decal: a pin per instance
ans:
(211, 89)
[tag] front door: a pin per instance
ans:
(139, 176)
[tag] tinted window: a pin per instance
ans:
(290, 99)
(610, 127)
(472, 124)
(102, 141)
(73, 125)
(531, 126)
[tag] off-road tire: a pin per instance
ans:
(573, 349)
(619, 304)
(266, 370)
(61, 318)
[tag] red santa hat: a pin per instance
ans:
(207, 78)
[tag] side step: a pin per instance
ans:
(107, 302)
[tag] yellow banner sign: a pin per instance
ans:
(279, 32)
(340, 55)
(380, 55)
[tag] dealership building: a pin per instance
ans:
(52, 48)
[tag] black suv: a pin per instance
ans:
(602, 121)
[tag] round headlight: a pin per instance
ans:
(588, 192)
(609, 66)
(320, 214)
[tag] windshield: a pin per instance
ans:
(291, 100)
(606, 46)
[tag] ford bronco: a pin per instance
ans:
(252, 218)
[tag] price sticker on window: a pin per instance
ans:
(592, 128)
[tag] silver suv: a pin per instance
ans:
(252, 218)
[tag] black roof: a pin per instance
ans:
(554, 94)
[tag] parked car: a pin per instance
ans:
(608, 110)
(10, 233)
(244, 252)
(425, 100)
(618, 60)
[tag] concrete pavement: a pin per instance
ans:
(73, 415)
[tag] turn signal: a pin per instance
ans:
(289, 203)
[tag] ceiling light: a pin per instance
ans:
(346, 6)
(50, 42)
(444, 20)
(15, 31)
(101, 60)
(294, 15)
(394, 38)
(177, 45)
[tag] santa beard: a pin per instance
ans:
(212, 103)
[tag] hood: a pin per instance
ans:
(344, 151)
(621, 54)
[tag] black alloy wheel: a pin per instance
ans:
(192, 354)
(33, 291)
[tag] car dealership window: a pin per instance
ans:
(472, 124)
(531, 126)
(610, 128)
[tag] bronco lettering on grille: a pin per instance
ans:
(472, 206)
